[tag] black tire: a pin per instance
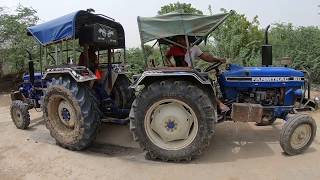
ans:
(194, 97)
(289, 128)
(83, 106)
(20, 114)
(121, 93)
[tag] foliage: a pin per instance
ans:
(299, 43)
(135, 61)
(239, 40)
(187, 8)
(13, 37)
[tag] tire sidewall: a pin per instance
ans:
(290, 127)
(203, 125)
(69, 137)
(18, 105)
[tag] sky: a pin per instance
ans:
(298, 12)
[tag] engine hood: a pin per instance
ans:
(238, 71)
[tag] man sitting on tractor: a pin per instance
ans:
(92, 63)
(89, 58)
(182, 59)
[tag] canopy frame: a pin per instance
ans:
(189, 45)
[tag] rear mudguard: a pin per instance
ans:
(200, 79)
(148, 77)
(78, 73)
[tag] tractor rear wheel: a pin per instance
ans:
(20, 114)
(172, 120)
(71, 113)
(297, 134)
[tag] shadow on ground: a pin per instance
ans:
(232, 142)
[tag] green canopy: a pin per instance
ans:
(173, 24)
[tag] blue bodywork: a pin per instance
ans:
(33, 92)
(237, 79)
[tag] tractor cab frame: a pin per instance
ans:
(62, 41)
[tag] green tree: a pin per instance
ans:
(13, 37)
(299, 43)
(185, 7)
(239, 39)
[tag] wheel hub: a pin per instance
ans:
(301, 136)
(171, 122)
(18, 116)
(66, 114)
(171, 125)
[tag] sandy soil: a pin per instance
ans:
(237, 151)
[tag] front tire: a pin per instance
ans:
(20, 114)
(172, 120)
(297, 134)
(71, 113)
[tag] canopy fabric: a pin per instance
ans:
(55, 30)
(173, 24)
(70, 25)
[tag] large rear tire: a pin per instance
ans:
(20, 114)
(71, 113)
(121, 93)
(297, 134)
(172, 120)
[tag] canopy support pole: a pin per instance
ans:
(56, 54)
(73, 51)
(61, 53)
(45, 57)
(188, 50)
(40, 59)
(67, 52)
(161, 53)
(142, 46)
(41, 71)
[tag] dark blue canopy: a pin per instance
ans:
(68, 26)
(55, 30)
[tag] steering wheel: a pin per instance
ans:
(213, 66)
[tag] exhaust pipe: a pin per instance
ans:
(31, 67)
(266, 50)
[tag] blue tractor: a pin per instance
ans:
(175, 111)
(76, 97)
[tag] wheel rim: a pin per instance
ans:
(171, 124)
(66, 114)
(61, 111)
(17, 115)
(301, 136)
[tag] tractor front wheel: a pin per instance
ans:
(20, 114)
(172, 120)
(297, 134)
(71, 113)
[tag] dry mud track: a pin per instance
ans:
(237, 151)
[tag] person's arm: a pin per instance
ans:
(209, 58)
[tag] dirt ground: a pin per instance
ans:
(237, 151)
